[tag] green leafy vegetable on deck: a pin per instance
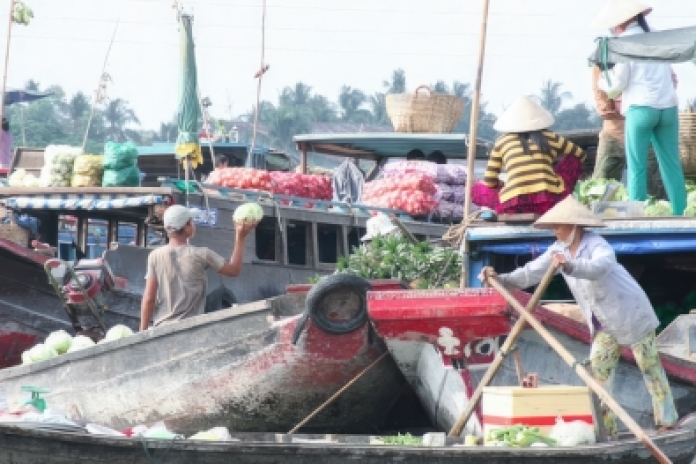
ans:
(395, 257)
(658, 208)
(405, 439)
(590, 190)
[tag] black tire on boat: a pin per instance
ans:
(337, 304)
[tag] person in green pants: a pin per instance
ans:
(649, 104)
(611, 155)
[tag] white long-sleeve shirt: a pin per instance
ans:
(600, 285)
(640, 83)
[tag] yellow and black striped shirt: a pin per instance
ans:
(528, 173)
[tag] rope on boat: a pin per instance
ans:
(455, 236)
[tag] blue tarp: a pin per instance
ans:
(622, 245)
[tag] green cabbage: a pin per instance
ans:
(41, 352)
(248, 213)
(117, 332)
(26, 358)
(59, 340)
(80, 342)
(658, 208)
(591, 190)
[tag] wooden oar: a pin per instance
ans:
(500, 356)
(582, 372)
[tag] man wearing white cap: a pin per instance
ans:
(175, 281)
(617, 310)
(649, 104)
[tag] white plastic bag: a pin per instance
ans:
(572, 433)
(214, 434)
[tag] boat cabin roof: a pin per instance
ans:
(377, 146)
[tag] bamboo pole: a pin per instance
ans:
(103, 78)
(515, 333)
(262, 70)
(7, 62)
(583, 374)
(337, 394)
(473, 130)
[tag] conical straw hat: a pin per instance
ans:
(524, 115)
(568, 211)
(617, 12)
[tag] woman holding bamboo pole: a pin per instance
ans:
(616, 308)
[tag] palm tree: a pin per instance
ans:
(76, 109)
(117, 115)
(322, 109)
(398, 82)
(440, 87)
(298, 95)
(378, 108)
(461, 89)
(286, 122)
(350, 100)
(32, 85)
(551, 96)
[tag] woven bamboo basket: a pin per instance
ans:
(11, 231)
(422, 112)
(687, 141)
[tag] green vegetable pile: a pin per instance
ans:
(517, 436)
(657, 208)
(406, 439)
(590, 190)
(395, 257)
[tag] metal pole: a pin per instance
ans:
(473, 129)
(7, 61)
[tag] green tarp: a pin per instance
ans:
(670, 46)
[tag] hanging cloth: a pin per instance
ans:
(347, 182)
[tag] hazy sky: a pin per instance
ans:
(324, 44)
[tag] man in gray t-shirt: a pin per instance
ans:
(175, 282)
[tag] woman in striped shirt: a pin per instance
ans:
(527, 152)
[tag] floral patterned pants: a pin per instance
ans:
(604, 357)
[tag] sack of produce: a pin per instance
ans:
(294, 184)
(241, 178)
(88, 171)
(412, 202)
(450, 209)
(128, 177)
(454, 174)
(399, 168)
(120, 165)
(16, 179)
(120, 155)
(58, 165)
(411, 192)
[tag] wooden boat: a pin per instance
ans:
(27, 446)
(445, 381)
(237, 368)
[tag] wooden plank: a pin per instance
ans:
(522, 217)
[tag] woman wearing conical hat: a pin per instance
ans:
(617, 310)
(649, 104)
(527, 151)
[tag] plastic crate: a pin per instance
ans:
(618, 209)
(534, 407)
